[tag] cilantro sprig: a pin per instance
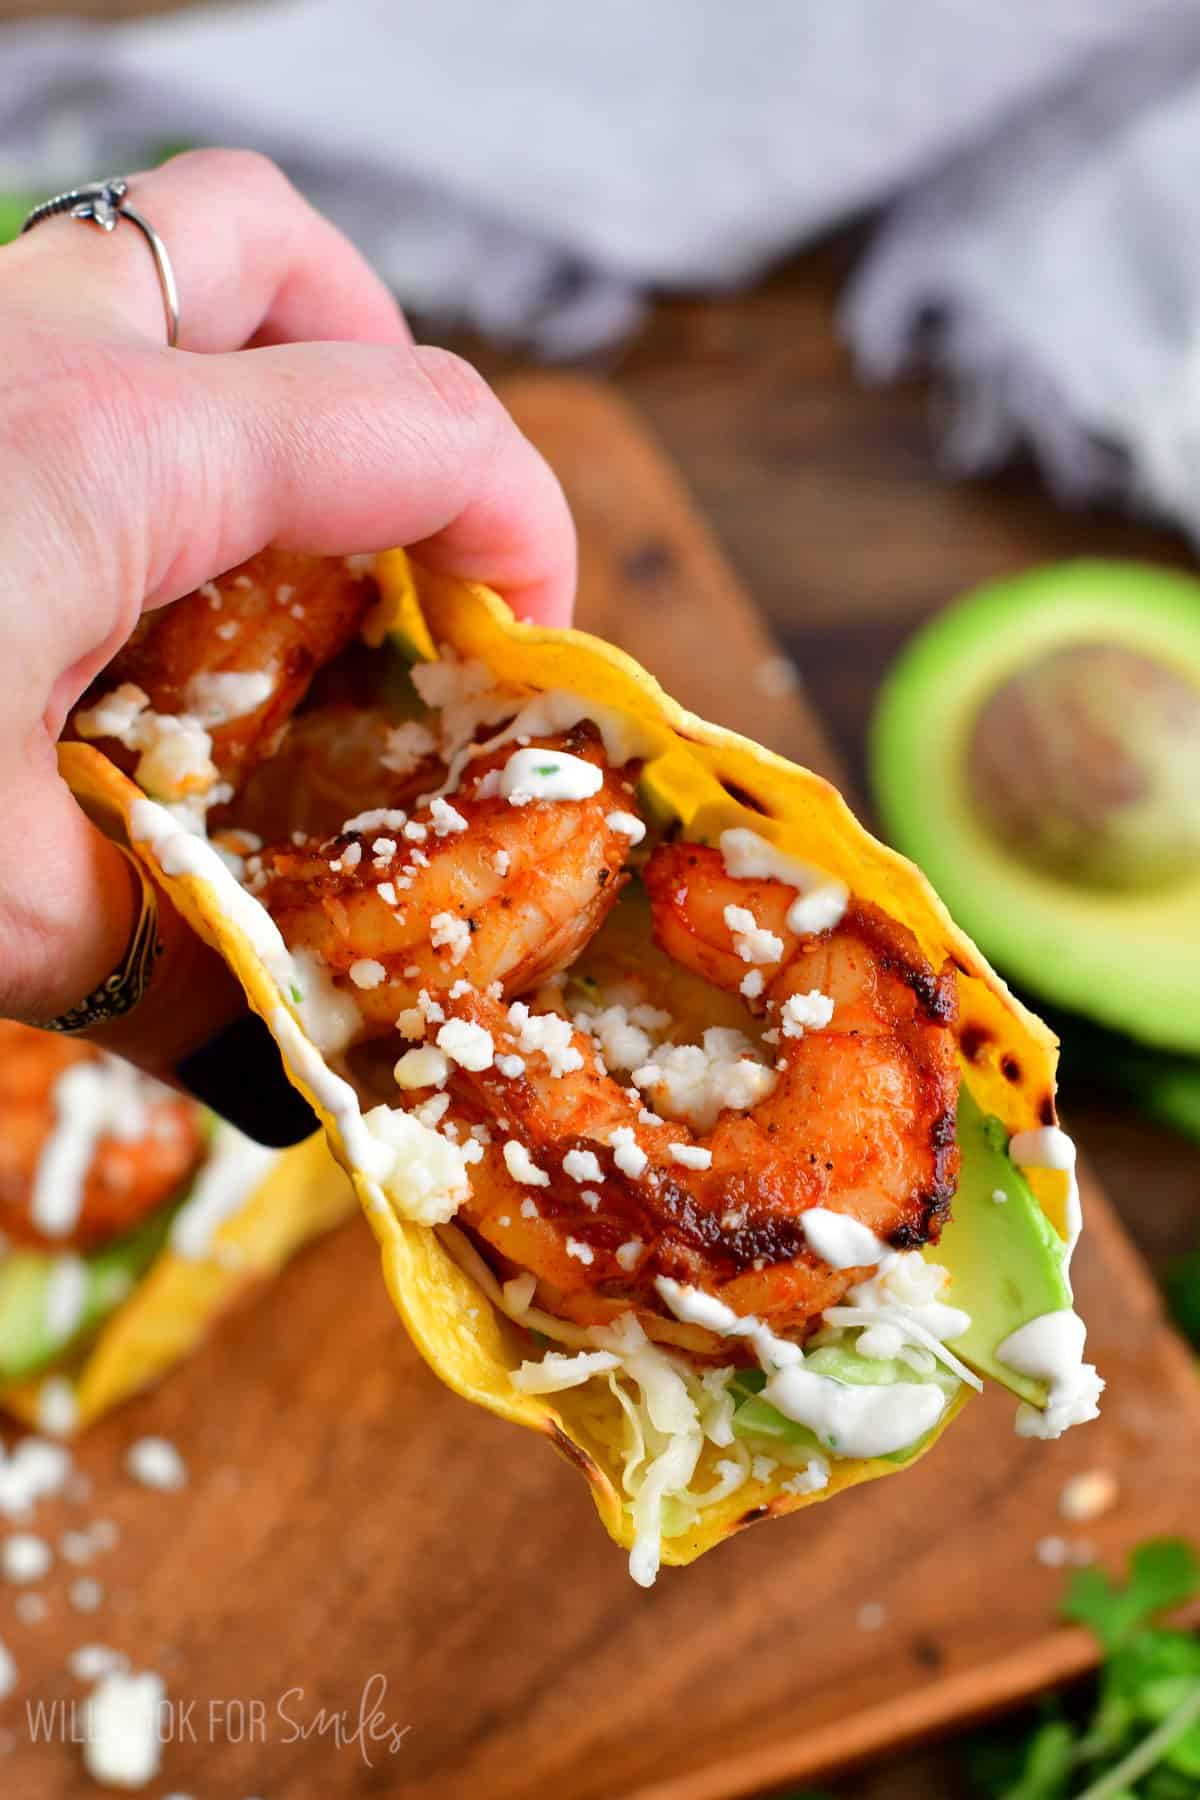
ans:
(1142, 1741)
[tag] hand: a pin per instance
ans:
(297, 411)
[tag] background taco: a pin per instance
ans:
(469, 750)
(130, 1218)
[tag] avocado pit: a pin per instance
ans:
(1086, 763)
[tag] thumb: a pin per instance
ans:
(327, 448)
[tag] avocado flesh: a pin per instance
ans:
(1007, 1263)
(1007, 1266)
(27, 1345)
(1126, 958)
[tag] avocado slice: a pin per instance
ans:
(1124, 955)
(1007, 1263)
(27, 1344)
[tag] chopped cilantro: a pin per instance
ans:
(546, 769)
(297, 995)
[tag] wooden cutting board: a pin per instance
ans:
(349, 1524)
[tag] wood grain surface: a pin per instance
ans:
(348, 1522)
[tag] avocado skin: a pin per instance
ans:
(26, 1344)
(1126, 959)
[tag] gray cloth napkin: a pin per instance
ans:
(532, 169)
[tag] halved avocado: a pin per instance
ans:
(1013, 745)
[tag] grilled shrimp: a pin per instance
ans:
(469, 889)
(598, 1196)
(134, 1161)
(236, 656)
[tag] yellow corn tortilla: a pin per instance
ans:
(711, 780)
(173, 1306)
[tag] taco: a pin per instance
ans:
(129, 1218)
(694, 1134)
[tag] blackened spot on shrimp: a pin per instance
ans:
(973, 1039)
(1010, 1068)
(744, 797)
(602, 877)
(1046, 1112)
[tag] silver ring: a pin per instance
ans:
(102, 203)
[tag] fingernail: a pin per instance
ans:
(240, 1075)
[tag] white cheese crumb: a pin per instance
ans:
(446, 818)
(696, 1082)
(92, 1661)
(156, 1463)
(548, 1033)
(122, 1746)
(692, 1156)
(57, 1412)
(776, 676)
(467, 1044)
(752, 984)
(387, 893)
(1052, 1552)
(447, 930)
(1087, 1495)
(999, 1196)
(501, 862)
(30, 1472)
(628, 1253)
(763, 1467)
(511, 1066)
(432, 1112)
(415, 832)
(812, 1478)
(383, 849)
(420, 1068)
(581, 1252)
(522, 1167)
(367, 973)
(529, 1209)
(809, 1011)
(8, 1672)
(431, 1011)
(76, 1547)
(25, 1557)
(628, 824)
(86, 1594)
(752, 941)
(410, 1022)
(582, 1165)
(628, 1154)
(590, 1199)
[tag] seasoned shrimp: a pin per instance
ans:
(471, 889)
(134, 1161)
(598, 1196)
(236, 656)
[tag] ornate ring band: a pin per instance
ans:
(102, 203)
(120, 992)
